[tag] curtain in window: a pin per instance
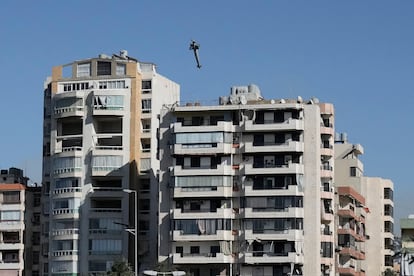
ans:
(202, 181)
(145, 164)
(225, 247)
(106, 162)
(146, 104)
(106, 245)
(67, 163)
(10, 215)
(194, 138)
(84, 70)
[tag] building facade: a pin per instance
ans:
(12, 223)
(100, 121)
(246, 186)
(407, 246)
(373, 220)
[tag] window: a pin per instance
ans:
(195, 162)
(146, 106)
(11, 197)
(146, 86)
(121, 69)
(195, 249)
(36, 199)
(104, 68)
(179, 250)
(353, 171)
(84, 70)
(102, 247)
(144, 206)
(120, 84)
(10, 215)
(388, 193)
(36, 257)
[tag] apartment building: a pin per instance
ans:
(12, 224)
(373, 220)
(407, 246)
(246, 186)
(100, 121)
(32, 247)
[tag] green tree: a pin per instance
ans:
(389, 272)
(120, 268)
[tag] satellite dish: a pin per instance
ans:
(243, 100)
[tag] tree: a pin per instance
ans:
(120, 268)
(389, 272)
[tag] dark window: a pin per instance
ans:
(146, 85)
(388, 193)
(11, 197)
(353, 171)
(195, 249)
(180, 250)
(195, 162)
(104, 68)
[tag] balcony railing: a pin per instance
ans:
(63, 232)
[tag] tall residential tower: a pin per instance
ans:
(246, 186)
(100, 121)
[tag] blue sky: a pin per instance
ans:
(357, 55)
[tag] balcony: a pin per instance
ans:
(227, 213)
(69, 104)
(349, 212)
(289, 146)
(287, 234)
(288, 190)
(291, 168)
(271, 126)
(221, 126)
(221, 169)
(212, 191)
(65, 255)
(106, 104)
(269, 258)
(347, 231)
(273, 212)
(352, 252)
(206, 258)
(203, 149)
(67, 192)
(65, 234)
(220, 235)
(65, 213)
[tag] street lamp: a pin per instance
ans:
(155, 273)
(135, 232)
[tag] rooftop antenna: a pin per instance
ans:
(195, 46)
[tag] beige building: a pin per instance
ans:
(12, 224)
(377, 212)
(246, 186)
(100, 135)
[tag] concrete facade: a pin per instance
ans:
(246, 186)
(374, 218)
(100, 124)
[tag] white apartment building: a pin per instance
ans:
(246, 186)
(12, 225)
(377, 212)
(100, 121)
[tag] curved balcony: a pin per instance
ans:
(67, 192)
(64, 255)
(65, 213)
(65, 234)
